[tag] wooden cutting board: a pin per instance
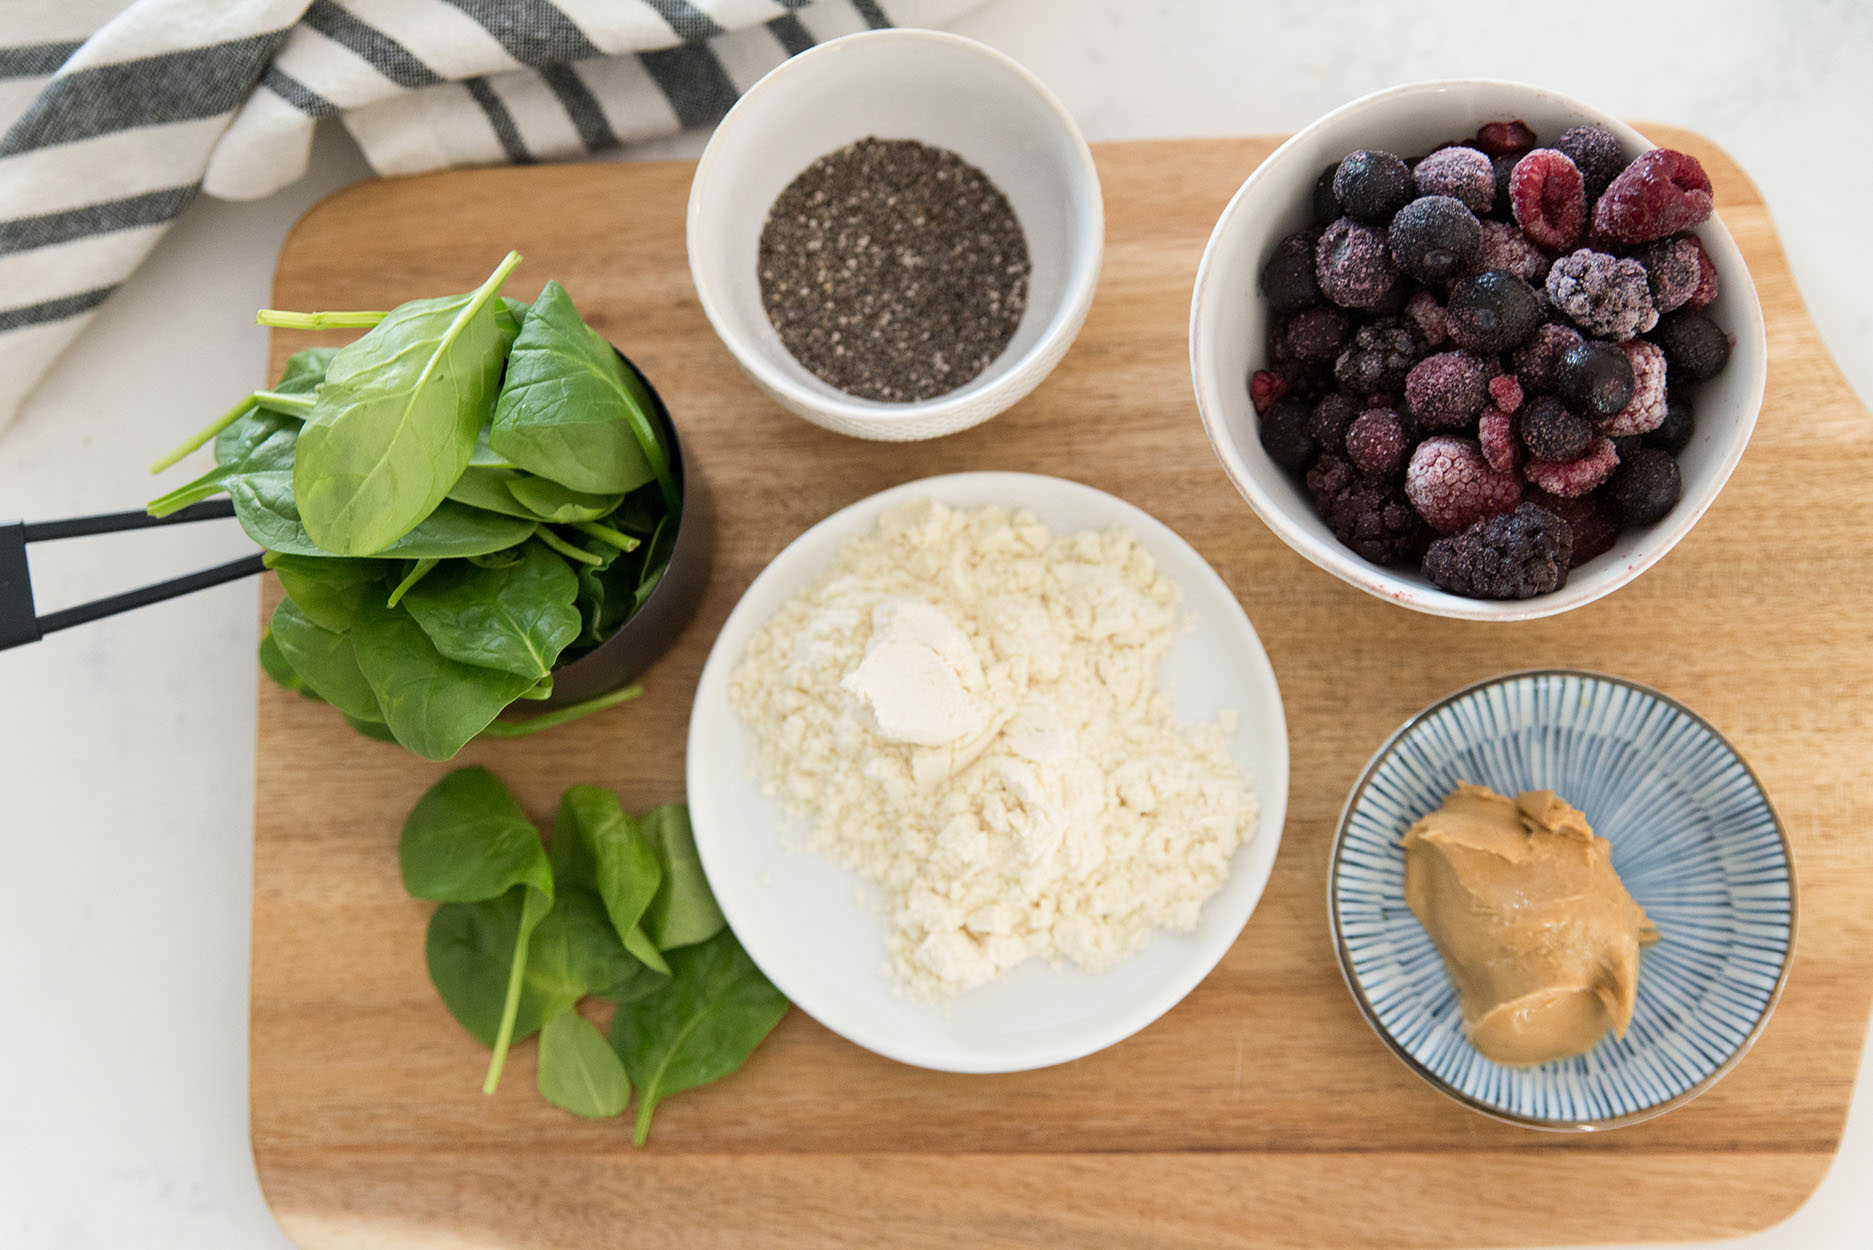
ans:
(1260, 1111)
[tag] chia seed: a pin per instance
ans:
(893, 270)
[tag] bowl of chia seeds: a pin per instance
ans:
(896, 234)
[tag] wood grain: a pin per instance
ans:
(1259, 1111)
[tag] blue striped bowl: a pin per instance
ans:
(1694, 839)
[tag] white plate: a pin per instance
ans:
(797, 913)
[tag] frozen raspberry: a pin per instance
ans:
(1377, 360)
(1287, 434)
(1645, 488)
(1371, 517)
(1505, 392)
(1604, 295)
(1592, 530)
(1695, 346)
(1423, 311)
(1332, 416)
(1352, 265)
(1645, 411)
(1492, 312)
(1288, 277)
(1515, 556)
(1315, 334)
(1376, 442)
(1451, 484)
(1573, 478)
(1448, 390)
(1495, 430)
(1706, 279)
(1325, 207)
(1660, 193)
(1505, 247)
(1595, 152)
(1434, 238)
(1372, 185)
(1462, 173)
(1266, 389)
(1505, 138)
(1551, 432)
(1546, 196)
(1674, 432)
(1674, 268)
(1537, 360)
(1596, 378)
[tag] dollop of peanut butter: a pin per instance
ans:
(1537, 930)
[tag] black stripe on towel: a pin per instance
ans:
(873, 15)
(154, 91)
(793, 36)
(385, 55)
(534, 32)
(690, 23)
(53, 309)
(296, 93)
(500, 119)
(581, 106)
(24, 233)
(694, 82)
(35, 60)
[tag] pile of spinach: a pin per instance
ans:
(616, 910)
(470, 495)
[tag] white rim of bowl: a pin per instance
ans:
(1366, 1009)
(1083, 279)
(1374, 579)
(1153, 1009)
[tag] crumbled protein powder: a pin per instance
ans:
(965, 711)
(893, 270)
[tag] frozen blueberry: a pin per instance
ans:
(1595, 377)
(1331, 417)
(1325, 206)
(1434, 238)
(1595, 152)
(1695, 346)
(1644, 487)
(1288, 277)
(1674, 432)
(1461, 172)
(1551, 432)
(1352, 266)
(1287, 434)
(1372, 185)
(1492, 312)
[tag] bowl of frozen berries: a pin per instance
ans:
(1476, 348)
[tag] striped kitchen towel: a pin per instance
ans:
(115, 113)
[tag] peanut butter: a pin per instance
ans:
(1535, 927)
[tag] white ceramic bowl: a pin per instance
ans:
(941, 90)
(796, 912)
(1229, 326)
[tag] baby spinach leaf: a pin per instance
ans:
(574, 952)
(533, 909)
(559, 504)
(326, 588)
(394, 423)
(469, 950)
(305, 370)
(508, 314)
(375, 730)
(433, 704)
(699, 1028)
(569, 409)
(517, 619)
(324, 660)
(480, 487)
(274, 665)
(684, 911)
(468, 839)
(578, 1070)
(596, 844)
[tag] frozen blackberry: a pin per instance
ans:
(1660, 193)
(1607, 296)
(1448, 390)
(1376, 442)
(1326, 208)
(1538, 360)
(1551, 432)
(1595, 152)
(1287, 434)
(1451, 483)
(1434, 238)
(1505, 247)
(1516, 556)
(1595, 377)
(1332, 415)
(1315, 334)
(1674, 432)
(1644, 488)
(1371, 517)
(1352, 265)
(1546, 196)
(1378, 359)
(1288, 277)
(1463, 173)
(1372, 185)
(1694, 345)
(1492, 312)
(1674, 267)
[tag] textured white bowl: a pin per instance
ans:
(796, 912)
(1229, 329)
(941, 90)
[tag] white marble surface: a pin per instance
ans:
(126, 767)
